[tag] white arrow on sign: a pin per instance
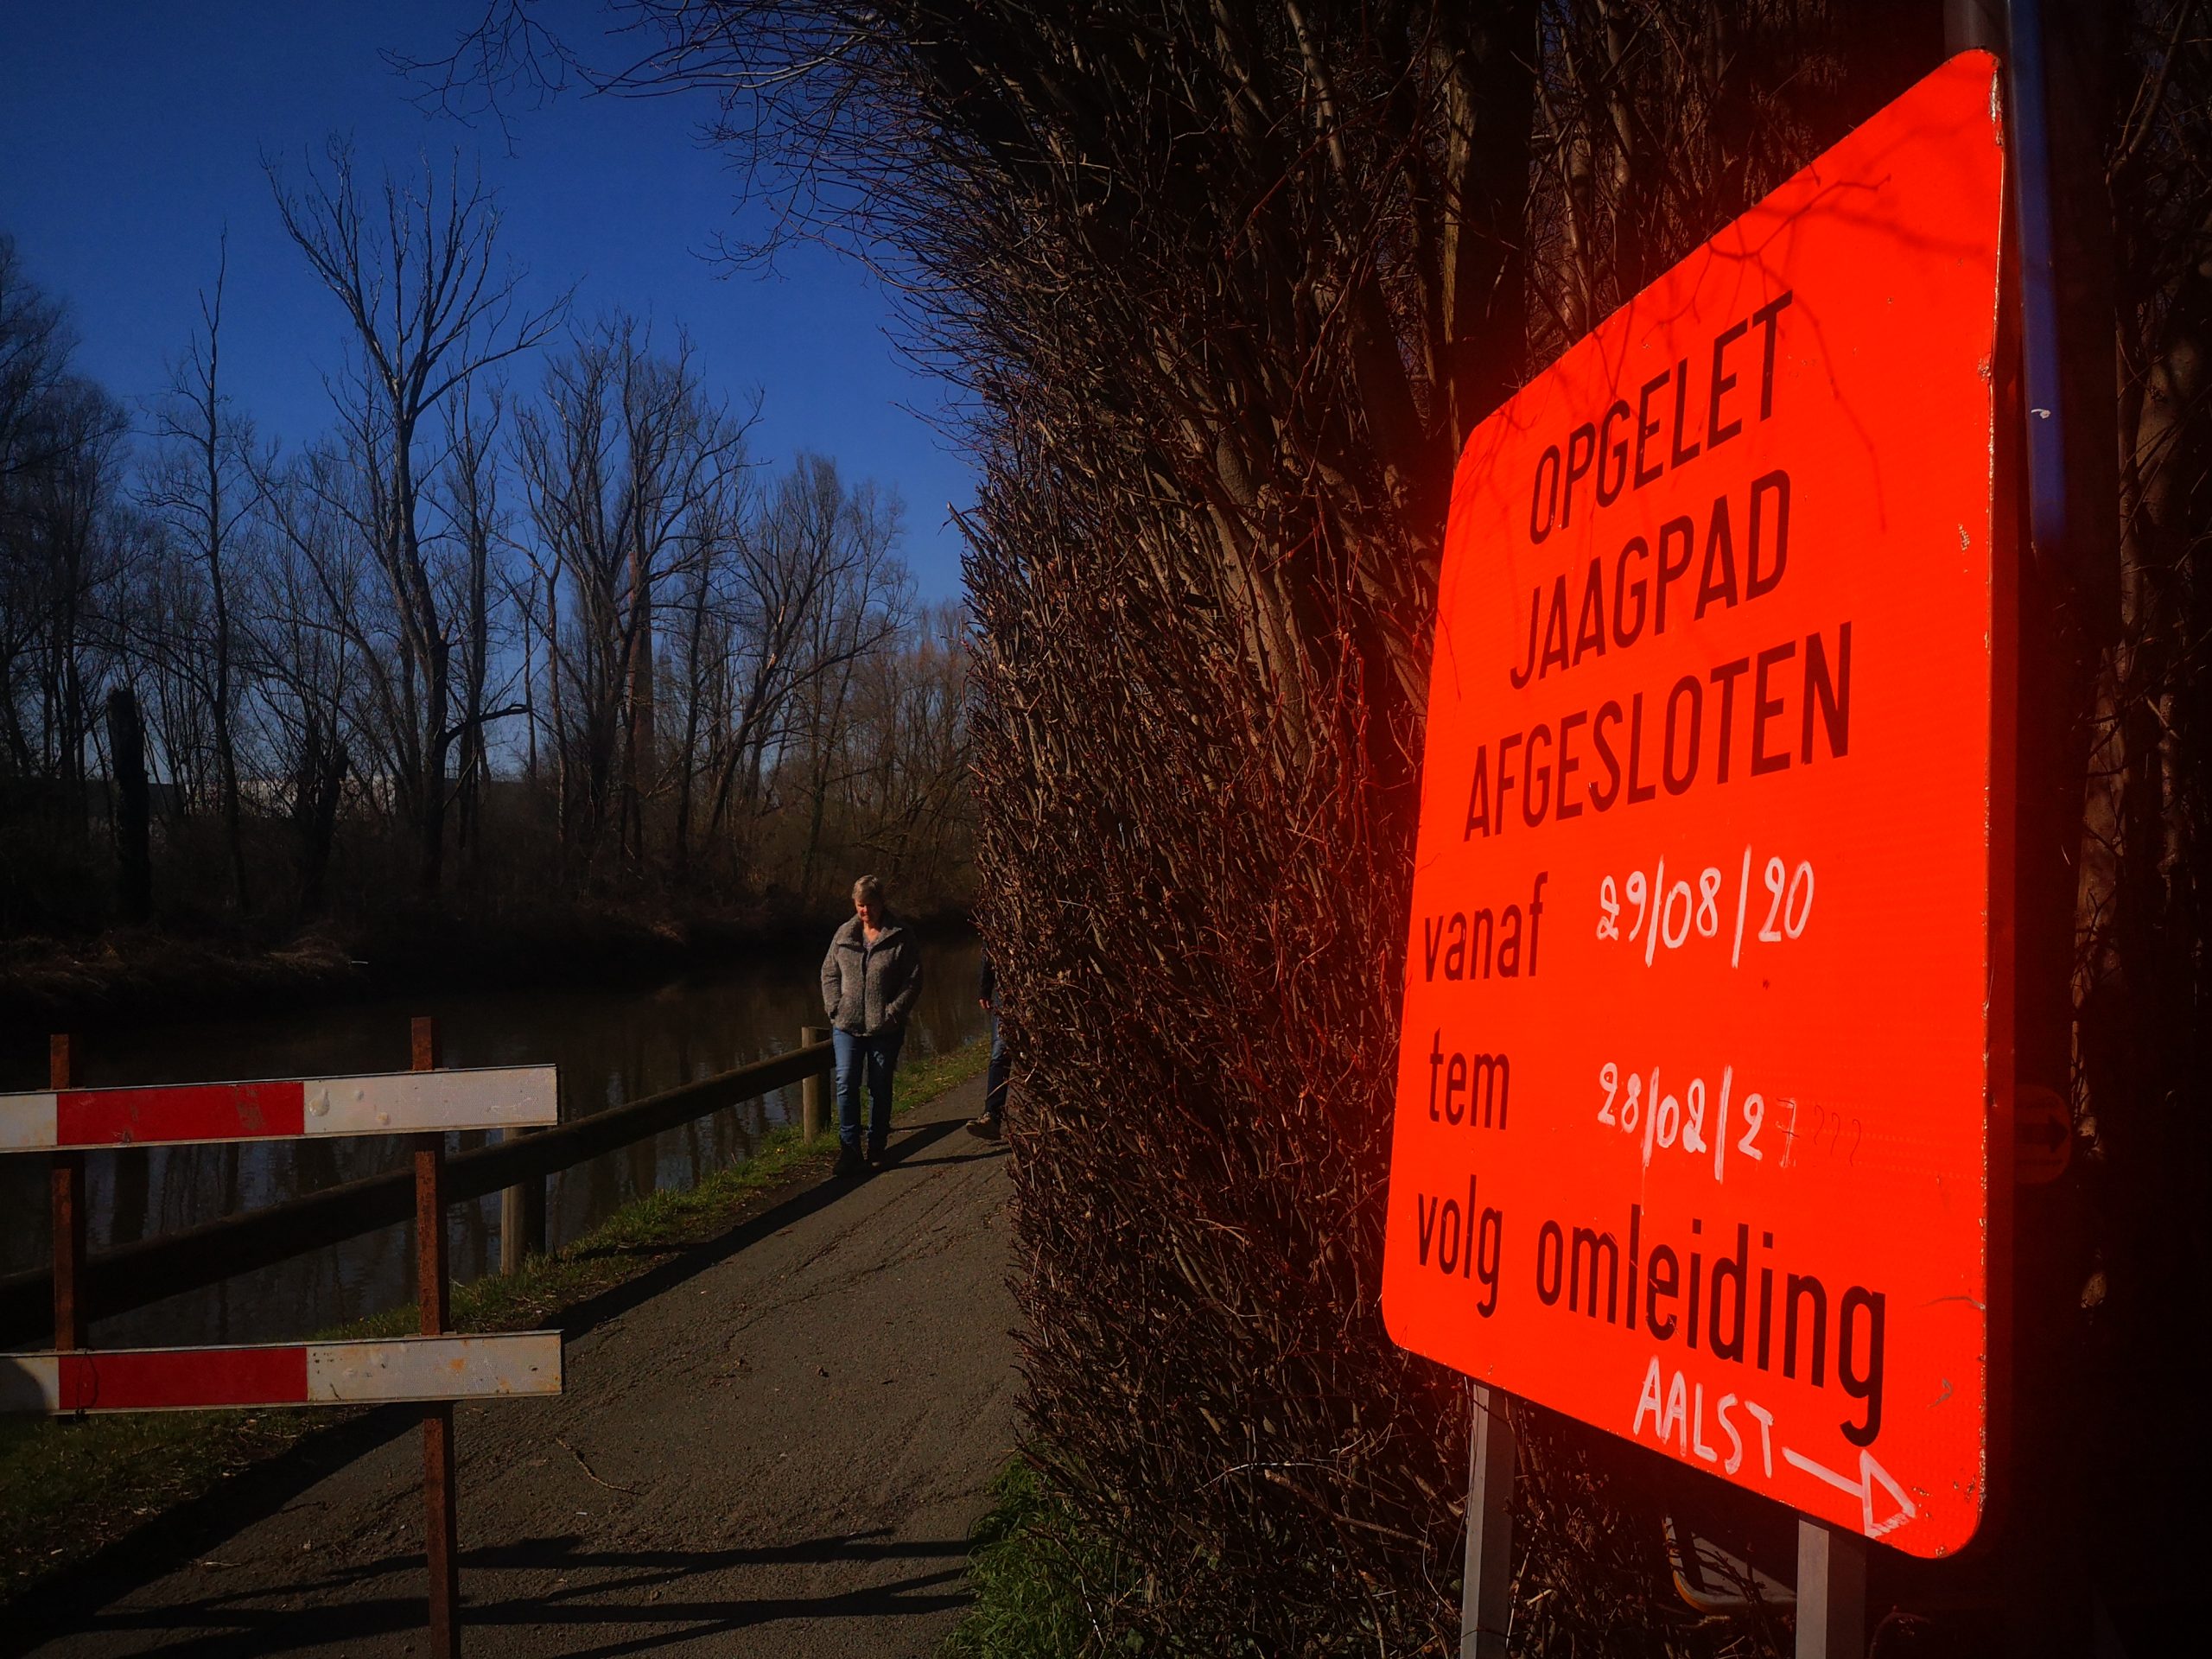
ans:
(1870, 1473)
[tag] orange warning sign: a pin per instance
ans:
(1705, 1013)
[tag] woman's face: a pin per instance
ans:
(870, 910)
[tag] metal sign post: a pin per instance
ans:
(1486, 1598)
(1831, 1592)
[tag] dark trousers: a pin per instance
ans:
(994, 1081)
(873, 1059)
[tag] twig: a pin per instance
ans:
(629, 1490)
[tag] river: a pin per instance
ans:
(612, 1047)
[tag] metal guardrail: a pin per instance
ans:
(136, 1274)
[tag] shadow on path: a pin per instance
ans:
(73, 1599)
(217, 1624)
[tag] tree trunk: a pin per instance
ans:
(134, 854)
(322, 781)
(637, 762)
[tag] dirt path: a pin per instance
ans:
(777, 1445)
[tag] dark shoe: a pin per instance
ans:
(876, 1157)
(987, 1125)
(848, 1162)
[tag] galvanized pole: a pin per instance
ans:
(68, 1191)
(441, 1521)
(2068, 594)
(1486, 1594)
(2039, 344)
(1831, 1592)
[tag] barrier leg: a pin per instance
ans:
(433, 1298)
(69, 1190)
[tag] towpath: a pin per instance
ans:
(775, 1445)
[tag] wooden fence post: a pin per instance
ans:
(813, 1092)
(432, 1296)
(522, 1216)
(69, 1190)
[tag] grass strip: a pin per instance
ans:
(1041, 1581)
(70, 1486)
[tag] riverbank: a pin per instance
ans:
(71, 1489)
(138, 973)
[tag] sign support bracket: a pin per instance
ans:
(1486, 1599)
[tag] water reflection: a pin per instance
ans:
(611, 1047)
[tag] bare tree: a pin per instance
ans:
(907, 776)
(621, 460)
(469, 499)
(34, 347)
(201, 488)
(413, 270)
(310, 607)
(60, 449)
(63, 566)
(846, 539)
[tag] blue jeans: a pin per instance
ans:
(878, 1057)
(995, 1081)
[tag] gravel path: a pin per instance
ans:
(776, 1444)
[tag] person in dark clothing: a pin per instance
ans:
(870, 978)
(992, 1120)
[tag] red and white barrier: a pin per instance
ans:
(292, 1374)
(491, 1097)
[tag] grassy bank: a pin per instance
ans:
(70, 1486)
(1043, 1585)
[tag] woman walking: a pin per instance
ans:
(869, 981)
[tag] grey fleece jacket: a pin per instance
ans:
(870, 989)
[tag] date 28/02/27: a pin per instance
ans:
(1672, 1123)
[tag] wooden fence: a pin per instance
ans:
(134, 1275)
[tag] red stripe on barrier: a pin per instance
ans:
(191, 1377)
(208, 1111)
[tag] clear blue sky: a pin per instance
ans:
(130, 134)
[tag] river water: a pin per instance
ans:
(612, 1047)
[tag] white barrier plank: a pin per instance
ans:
(283, 1373)
(402, 1103)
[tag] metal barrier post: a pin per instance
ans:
(811, 1092)
(68, 1189)
(433, 1295)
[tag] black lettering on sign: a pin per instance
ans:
(1622, 448)
(1484, 943)
(1824, 1339)
(1460, 1242)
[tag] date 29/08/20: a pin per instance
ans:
(1672, 916)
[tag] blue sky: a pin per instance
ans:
(131, 135)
